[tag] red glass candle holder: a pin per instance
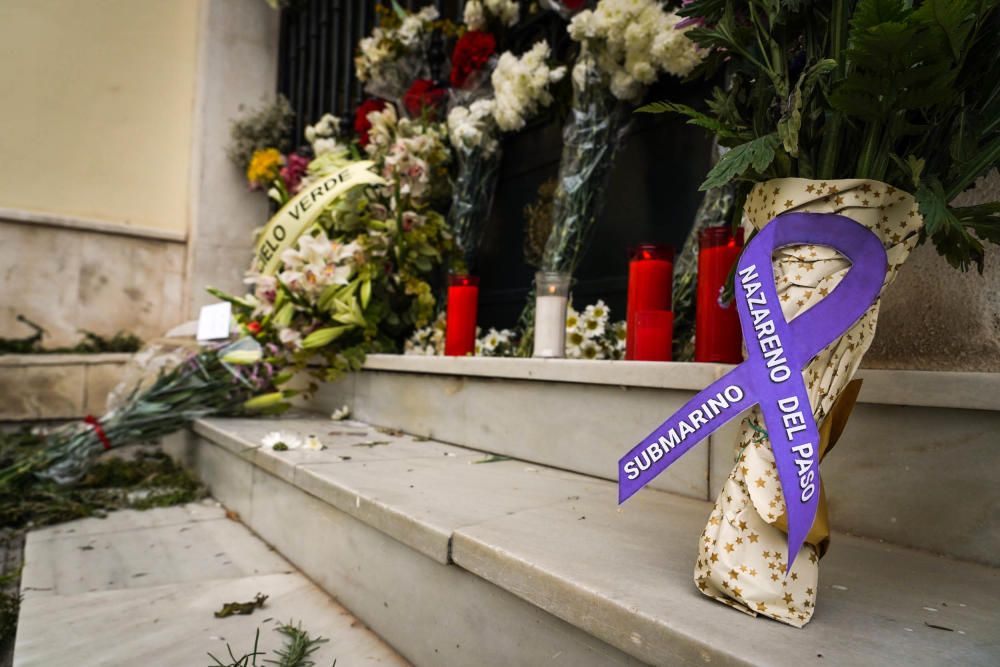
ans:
(654, 335)
(460, 329)
(717, 327)
(650, 286)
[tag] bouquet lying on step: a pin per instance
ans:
(180, 385)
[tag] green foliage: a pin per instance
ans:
(900, 91)
(149, 480)
(91, 343)
(296, 650)
(755, 156)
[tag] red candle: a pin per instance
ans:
(650, 286)
(717, 328)
(654, 335)
(460, 329)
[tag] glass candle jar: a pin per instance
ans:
(654, 335)
(717, 326)
(650, 286)
(551, 298)
(460, 327)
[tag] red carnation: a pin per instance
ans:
(423, 94)
(253, 327)
(472, 52)
(361, 123)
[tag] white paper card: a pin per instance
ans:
(213, 321)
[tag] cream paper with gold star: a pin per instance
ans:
(742, 557)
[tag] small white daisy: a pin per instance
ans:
(279, 441)
(313, 443)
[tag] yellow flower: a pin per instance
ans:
(264, 166)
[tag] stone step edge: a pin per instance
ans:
(474, 565)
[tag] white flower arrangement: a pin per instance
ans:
(427, 341)
(473, 127)
(631, 42)
(388, 59)
(521, 85)
(496, 343)
(592, 335)
(477, 13)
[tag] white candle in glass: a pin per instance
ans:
(550, 323)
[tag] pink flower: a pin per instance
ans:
(292, 172)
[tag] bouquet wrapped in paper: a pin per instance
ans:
(484, 109)
(742, 553)
(862, 120)
(166, 388)
(624, 46)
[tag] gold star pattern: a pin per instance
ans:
(740, 538)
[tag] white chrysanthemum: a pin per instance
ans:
(474, 16)
(506, 11)
(592, 327)
(632, 41)
(598, 311)
(280, 440)
(521, 86)
(313, 443)
(572, 318)
(589, 349)
(574, 342)
(473, 126)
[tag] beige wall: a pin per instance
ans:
(97, 108)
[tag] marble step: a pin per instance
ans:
(142, 588)
(457, 558)
(914, 467)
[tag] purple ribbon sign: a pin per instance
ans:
(771, 376)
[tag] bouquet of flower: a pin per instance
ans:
(624, 46)
(840, 108)
(592, 335)
(394, 55)
(520, 88)
(231, 379)
(357, 280)
(496, 343)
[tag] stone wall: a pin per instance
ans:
(72, 279)
(936, 318)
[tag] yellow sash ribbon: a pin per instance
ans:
(302, 210)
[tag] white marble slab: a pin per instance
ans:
(82, 561)
(951, 389)
(175, 625)
(625, 575)
(143, 589)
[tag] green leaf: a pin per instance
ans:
(951, 239)
(323, 337)
(952, 19)
(283, 317)
(870, 13)
(366, 293)
(757, 155)
(236, 301)
(695, 117)
(791, 122)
